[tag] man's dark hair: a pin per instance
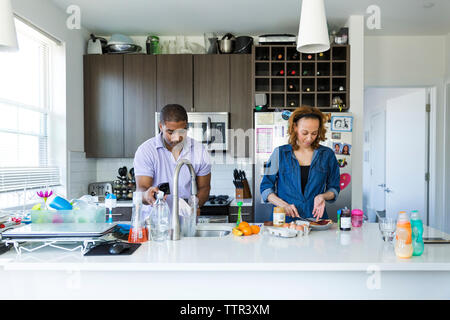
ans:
(173, 113)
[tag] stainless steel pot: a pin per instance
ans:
(226, 44)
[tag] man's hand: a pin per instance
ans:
(149, 195)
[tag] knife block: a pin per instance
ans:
(243, 193)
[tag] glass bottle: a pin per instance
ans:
(403, 244)
(138, 231)
(159, 219)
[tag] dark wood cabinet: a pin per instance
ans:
(211, 83)
(123, 92)
(241, 111)
(139, 101)
(246, 214)
(174, 78)
(121, 213)
(240, 91)
(103, 105)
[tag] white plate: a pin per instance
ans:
(320, 227)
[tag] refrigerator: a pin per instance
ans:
(271, 131)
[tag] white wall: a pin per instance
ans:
(447, 133)
(46, 16)
(415, 62)
(356, 40)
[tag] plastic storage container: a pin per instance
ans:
(88, 215)
(357, 218)
(417, 233)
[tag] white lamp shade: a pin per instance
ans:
(8, 36)
(313, 31)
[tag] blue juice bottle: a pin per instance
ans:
(417, 233)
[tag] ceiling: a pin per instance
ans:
(253, 17)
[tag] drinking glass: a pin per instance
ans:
(387, 228)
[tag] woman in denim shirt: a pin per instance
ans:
(302, 175)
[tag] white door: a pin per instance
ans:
(377, 161)
(406, 153)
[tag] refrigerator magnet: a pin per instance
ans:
(342, 163)
(336, 135)
(342, 123)
(346, 149)
(345, 180)
(337, 147)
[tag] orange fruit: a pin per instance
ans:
(246, 230)
(255, 229)
(243, 224)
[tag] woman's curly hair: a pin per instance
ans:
(306, 112)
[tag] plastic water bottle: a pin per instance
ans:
(417, 233)
(159, 219)
(403, 243)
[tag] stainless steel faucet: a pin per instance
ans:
(174, 233)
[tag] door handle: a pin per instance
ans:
(208, 131)
(383, 185)
(387, 190)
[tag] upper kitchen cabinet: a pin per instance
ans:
(174, 78)
(103, 106)
(240, 91)
(241, 114)
(211, 83)
(139, 101)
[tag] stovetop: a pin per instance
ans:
(220, 200)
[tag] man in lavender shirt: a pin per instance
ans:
(155, 160)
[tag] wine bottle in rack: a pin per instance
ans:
(292, 72)
(295, 56)
(309, 57)
(292, 103)
(280, 73)
(307, 89)
(305, 73)
(279, 56)
(291, 87)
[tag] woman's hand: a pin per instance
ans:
(319, 206)
(291, 210)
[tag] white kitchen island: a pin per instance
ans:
(323, 265)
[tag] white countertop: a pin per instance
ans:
(245, 202)
(329, 250)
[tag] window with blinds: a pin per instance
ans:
(25, 104)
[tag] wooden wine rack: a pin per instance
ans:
(317, 80)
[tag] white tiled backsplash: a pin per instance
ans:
(107, 168)
(83, 171)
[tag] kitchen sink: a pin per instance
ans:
(212, 231)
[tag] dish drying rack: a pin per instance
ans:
(82, 244)
(28, 241)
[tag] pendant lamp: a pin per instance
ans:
(8, 36)
(313, 31)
